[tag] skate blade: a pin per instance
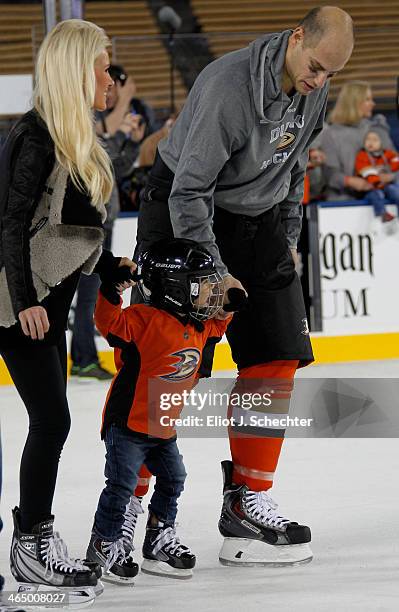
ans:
(159, 568)
(111, 578)
(251, 553)
(98, 589)
(76, 598)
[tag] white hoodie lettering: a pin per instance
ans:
(278, 132)
(278, 158)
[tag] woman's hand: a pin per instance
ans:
(34, 322)
(125, 261)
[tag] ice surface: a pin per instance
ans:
(346, 490)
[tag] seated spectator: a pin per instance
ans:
(378, 167)
(350, 120)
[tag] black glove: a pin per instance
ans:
(237, 300)
(120, 275)
(107, 266)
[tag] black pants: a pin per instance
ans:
(274, 326)
(39, 373)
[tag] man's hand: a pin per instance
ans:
(228, 283)
(34, 322)
(295, 256)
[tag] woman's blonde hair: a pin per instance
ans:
(64, 97)
(346, 109)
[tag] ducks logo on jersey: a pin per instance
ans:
(188, 360)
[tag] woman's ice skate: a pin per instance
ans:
(39, 563)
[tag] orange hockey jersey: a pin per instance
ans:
(370, 167)
(152, 347)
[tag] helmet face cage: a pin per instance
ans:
(206, 295)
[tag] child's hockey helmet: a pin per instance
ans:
(172, 273)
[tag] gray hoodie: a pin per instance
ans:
(241, 143)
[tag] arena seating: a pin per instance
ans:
(21, 31)
(375, 57)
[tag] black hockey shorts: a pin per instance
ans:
(274, 325)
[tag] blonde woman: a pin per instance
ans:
(350, 120)
(57, 179)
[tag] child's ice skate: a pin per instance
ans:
(163, 553)
(117, 563)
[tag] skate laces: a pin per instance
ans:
(133, 509)
(115, 552)
(263, 508)
(168, 538)
(63, 553)
(52, 550)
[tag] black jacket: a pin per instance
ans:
(26, 161)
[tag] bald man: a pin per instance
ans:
(230, 176)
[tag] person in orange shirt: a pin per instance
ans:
(156, 343)
(379, 167)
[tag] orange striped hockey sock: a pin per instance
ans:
(143, 482)
(254, 454)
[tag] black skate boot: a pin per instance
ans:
(163, 553)
(133, 509)
(255, 534)
(39, 562)
(117, 563)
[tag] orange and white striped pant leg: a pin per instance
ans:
(255, 458)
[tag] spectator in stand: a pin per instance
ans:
(350, 120)
(121, 100)
(314, 177)
(85, 360)
(380, 168)
(148, 148)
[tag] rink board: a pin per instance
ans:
(360, 303)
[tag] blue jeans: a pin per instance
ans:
(376, 197)
(126, 452)
(392, 193)
(83, 347)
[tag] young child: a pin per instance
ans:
(377, 166)
(161, 339)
